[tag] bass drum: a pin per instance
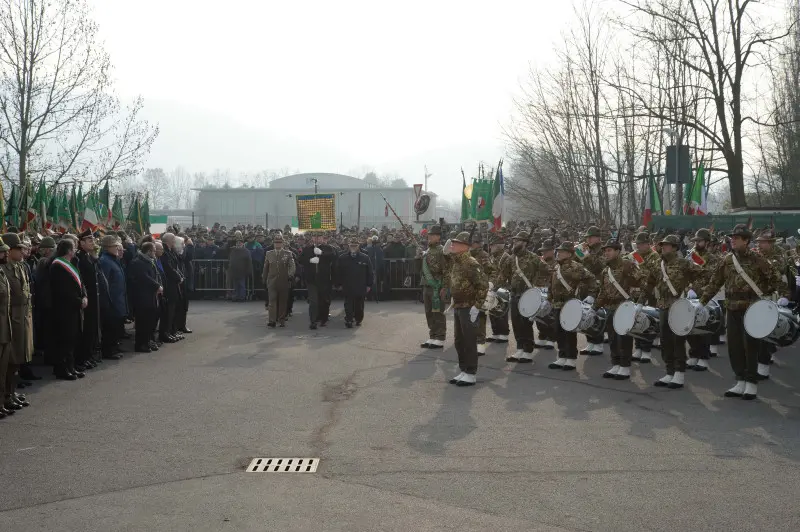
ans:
(767, 321)
(687, 317)
(577, 316)
(640, 322)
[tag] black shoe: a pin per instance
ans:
(425, 344)
(21, 401)
(619, 377)
(464, 383)
(80, 366)
(282, 324)
(700, 368)
(491, 340)
(312, 326)
(435, 346)
(358, 324)
(348, 324)
(569, 368)
(271, 324)
(553, 365)
(178, 337)
(323, 323)
(153, 346)
(674, 386)
(186, 330)
(608, 375)
(661, 384)
(143, 349)
(6, 411)
(112, 357)
(749, 396)
(167, 340)
(762, 377)
(11, 405)
(79, 374)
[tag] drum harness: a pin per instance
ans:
(665, 277)
(746, 277)
(563, 281)
(519, 272)
(614, 282)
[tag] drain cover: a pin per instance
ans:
(283, 465)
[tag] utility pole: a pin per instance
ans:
(427, 175)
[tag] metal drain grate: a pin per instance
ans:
(283, 465)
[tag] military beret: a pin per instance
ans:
(47, 243)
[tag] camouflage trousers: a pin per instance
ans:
(437, 323)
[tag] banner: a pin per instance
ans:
(316, 211)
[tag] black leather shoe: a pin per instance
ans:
(312, 326)
(661, 384)
(66, 376)
(112, 357)
(348, 324)
(153, 346)
(79, 374)
(2, 413)
(11, 405)
(21, 401)
(143, 349)
(80, 366)
(186, 330)
(167, 340)
(282, 323)
(6, 411)
(271, 324)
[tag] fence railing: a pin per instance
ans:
(212, 276)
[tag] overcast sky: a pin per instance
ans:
(329, 86)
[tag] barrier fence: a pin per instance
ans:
(211, 277)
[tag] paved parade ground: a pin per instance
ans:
(160, 441)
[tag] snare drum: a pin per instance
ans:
(688, 318)
(638, 322)
(531, 301)
(765, 320)
(577, 316)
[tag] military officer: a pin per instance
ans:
(746, 276)
(699, 345)
(436, 279)
(547, 333)
(648, 260)
(477, 252)
(6, 367)
(767, 249)
(517, 273)
(593, 261)
(499, 323)
(568, 279)
(619, 279)
(671, 280)
(468, 286)
(279, 270)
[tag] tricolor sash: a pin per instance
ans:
(70, 269)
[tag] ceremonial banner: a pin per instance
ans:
(316, 211)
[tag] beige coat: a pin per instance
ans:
(279, 267)
(21, 317)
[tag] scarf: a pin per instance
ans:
(70, 269)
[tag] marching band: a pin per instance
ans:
(652, 296)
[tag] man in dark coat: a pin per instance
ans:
(87, 266)
(354, 275)
(143, 276)
(240, 269)
(172, 290)
(317, 260)
(114, 303)
(42, 301)
(68, 302)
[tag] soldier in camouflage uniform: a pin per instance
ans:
(468, 285)
(593, 261)
(568, 279)
(499, 323)
(617, 283)
(700, 344)
(743, 349)
(517, 273)
(547, 334)
(477, 252)
(776, 256)
(648, 261)
(435, 279)
(671, 280)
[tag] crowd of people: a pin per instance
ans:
(67, 298)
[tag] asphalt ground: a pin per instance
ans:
(160, 441)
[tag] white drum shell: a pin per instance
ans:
(686, 317)
(765, 320)
(532, 301)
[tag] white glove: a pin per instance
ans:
(783, 302)
(589, 300)
(314, 260)
(491, 285)
(691, 294)
(473, 314)
(317, 251)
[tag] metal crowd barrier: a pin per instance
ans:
(212, 278)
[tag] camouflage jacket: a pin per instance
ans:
(626, 274)
(712, 261)
(579, 279)
(779, 261)
(594, 261)
(468, 282)
(438, 264)
(544, 275)
(738, 294)
(651, 262)
(485, 260)
(530, 264)
(681, 273)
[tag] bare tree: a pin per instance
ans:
(60, 119)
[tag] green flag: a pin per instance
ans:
(104, 204)
(316, 220)
(145, 214)
(52, 210)
(73, 209)
(116, 213)
(482, 199)
(41, 204)
(12, 207)
(135, 215)
(465, 210)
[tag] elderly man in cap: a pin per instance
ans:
(468, 286)
(279, 269)
(114, 305)
(353, 272)
(436, 278)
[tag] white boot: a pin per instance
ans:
(610, 374)
(691, 362)
(657, 342)
(558, 364)
(646, 357)
(714, 349)
(664, 381)
(515, 356)
(551, 344)
(457, 378)
(596, 349)
(736, 391)
(702, 365)
(467, 380)
(750, 391)
(723, 338)
(525, 358)
(569, 364)
(763, 371)
(623, 374)
(637, 355)
(481, 349)
(501, 338)
(677, 380)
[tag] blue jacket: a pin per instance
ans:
(115, 277)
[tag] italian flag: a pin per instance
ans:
(652, 202)
(498, 191)
(89, 214)
(697, 202)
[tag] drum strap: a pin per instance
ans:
(746, 277)
(563, 281)
(519, 272)
(665, 277)
(614, 282)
